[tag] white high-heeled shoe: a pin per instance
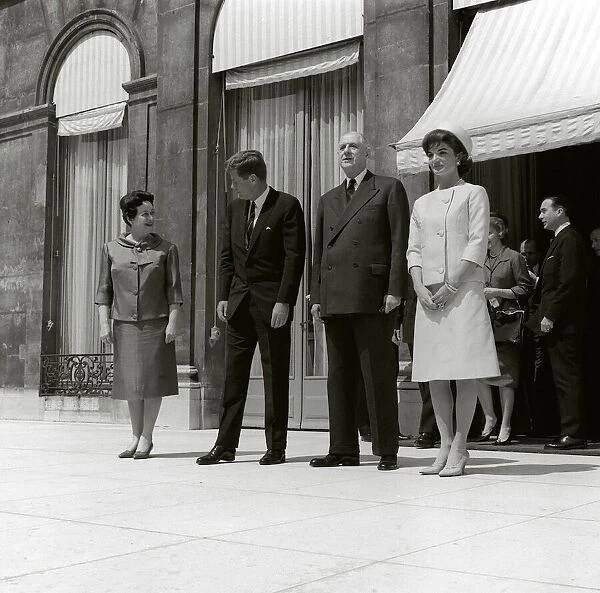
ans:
(438, 464)
(457, 468)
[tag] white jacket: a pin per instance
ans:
(448, 226)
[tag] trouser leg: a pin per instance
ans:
(378, 362)
(341, 385)
(241, 339)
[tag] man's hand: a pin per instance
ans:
(391, 302)
(222, 310)
(546, 325)
(279, 315)
(315, 311)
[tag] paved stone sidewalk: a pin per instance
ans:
(75, 519)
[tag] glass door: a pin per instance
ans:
(297, 124)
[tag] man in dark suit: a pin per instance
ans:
(558, 305)
(359, 276)
(262, 260)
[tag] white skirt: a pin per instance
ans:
(455, 342)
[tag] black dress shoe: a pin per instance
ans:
(404, 437)
(273, 457)
(216, 454)
(425, 440)
(566, 442)
(333, 460)
(388, 462)
(366, 437)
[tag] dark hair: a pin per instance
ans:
(500, 224)
(131, 201)
(561, 201)
(434, 138)
(246, 163)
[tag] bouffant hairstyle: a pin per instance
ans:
(131, 201)
(246, 163)
(434, 138)
(499, 223)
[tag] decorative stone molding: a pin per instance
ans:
(27, 120)
(142, 90)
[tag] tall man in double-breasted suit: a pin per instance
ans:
(359, 276)
(262, 260)
(558, 305)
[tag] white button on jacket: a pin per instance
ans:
(463, 214)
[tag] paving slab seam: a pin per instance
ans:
(326, 577)
(464, 538)
(109, 525)
(493, 576)
(78, 492)
(219, 538)
(94, 560)
(551, 483)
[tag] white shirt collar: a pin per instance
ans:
(260, 202)
(358, 178)
(564, 225)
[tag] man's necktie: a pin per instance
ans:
(350, 189)
(250, 223)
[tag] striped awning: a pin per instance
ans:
(90, 82)
(469, 3)
(251, 32)
(309, 63)
(527, 79)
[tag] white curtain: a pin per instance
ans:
(297, 124)
(93, 177)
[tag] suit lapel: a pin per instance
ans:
(263, 217)
(550, 251)
(365, 192)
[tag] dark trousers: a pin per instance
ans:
(362, 410)
(566, 360)
(363, 341)
(427, 421)
(244, 330)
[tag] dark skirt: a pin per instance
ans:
(145, 367)
(509, 361)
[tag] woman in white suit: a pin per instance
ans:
(446, 251)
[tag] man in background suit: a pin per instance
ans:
(262, 260)
(359, 276)
(558, 305)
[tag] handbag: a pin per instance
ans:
(507, 325)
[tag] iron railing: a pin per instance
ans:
(76, 374)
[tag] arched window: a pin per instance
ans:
(92, 175)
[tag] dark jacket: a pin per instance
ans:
(271, 268)
(360, 247)
(509, 270)
(140, 281)
(560, 291)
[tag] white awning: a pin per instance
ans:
(89, 84)
(527, 79)
(296, 66)
(251, 32)
(94, 120)
(469, 3)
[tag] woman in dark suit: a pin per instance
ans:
(140, 290)
(508, 286)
